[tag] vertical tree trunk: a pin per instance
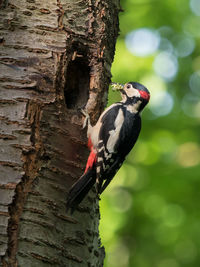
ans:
(55, 58)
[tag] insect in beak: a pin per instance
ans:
(117, 86)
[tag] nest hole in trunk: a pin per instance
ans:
(76, 90)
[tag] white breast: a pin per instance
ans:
(114, 134)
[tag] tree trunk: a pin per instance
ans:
(55, 58)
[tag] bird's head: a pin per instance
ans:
(133, 93)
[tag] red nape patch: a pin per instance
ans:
(144, 95)
(91, 160)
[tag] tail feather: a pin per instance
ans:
(80, 189)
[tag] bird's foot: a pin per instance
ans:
(87, 118)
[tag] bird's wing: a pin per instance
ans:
(116, 138)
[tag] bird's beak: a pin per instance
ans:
(117, 86)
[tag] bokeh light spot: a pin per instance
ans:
(184, 46)
(166, 65)
(194, 83)
(161, 103)
(119, 255)
(166, 31)
(166, 45)
(116, 198)
(188, 154)
(173, 215)
(154, 83)
(130, 180)
(147, 156)
(191, 105)
(143, 42)
(195, 7)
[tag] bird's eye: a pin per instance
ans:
(128, 86)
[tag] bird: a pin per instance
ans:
(110, 140)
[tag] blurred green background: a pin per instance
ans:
(150, 213)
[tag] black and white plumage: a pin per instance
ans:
(110, 140)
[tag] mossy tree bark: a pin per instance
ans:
(55, 58)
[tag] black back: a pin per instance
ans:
(127, 139)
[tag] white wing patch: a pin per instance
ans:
(114, 134)
(93, 132)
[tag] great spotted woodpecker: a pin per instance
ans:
(110, 140)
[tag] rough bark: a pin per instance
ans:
(55, 58)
